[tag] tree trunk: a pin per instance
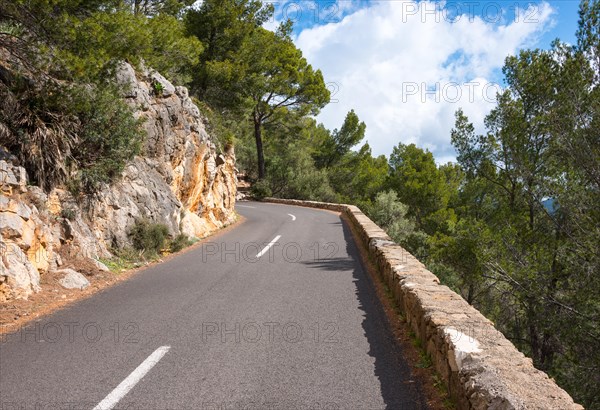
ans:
(534, 340)
(259, 147)
(470, 294)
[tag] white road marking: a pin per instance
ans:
(130, 381)
(261, 253)
(293, 217)
(245, 206)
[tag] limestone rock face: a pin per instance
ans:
(34, 228)
(180, 180)
(23, 237)
(177, 182)
(19, 277)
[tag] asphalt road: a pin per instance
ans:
(298, 327)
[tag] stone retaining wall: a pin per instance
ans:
(482, 369)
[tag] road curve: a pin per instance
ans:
(277, 313)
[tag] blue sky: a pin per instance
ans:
(566, 22)
(307, 14)
(405, 66)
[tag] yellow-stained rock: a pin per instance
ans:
(53, 205)
(39, 257)
(193, 225)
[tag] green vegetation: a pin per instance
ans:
(426, 362)
(390, 214)
(149, 238)
(261, 190)
(67, 134)
(513, 226)
(527, 211)
(123, 260)
(157, 88)
(251, 71)
(179, 243)
(59, 111)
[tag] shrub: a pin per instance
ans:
(109, 137)
(81, 136)
(148, 237)
(261, 189)
(157, 88)
(292, 174)
(180, 242)
(388, 212)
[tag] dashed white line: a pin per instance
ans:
(266, 249)
(130, 381)
(293, 217)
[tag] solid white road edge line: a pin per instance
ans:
(129, 383)
(245, 206)
(293, 217)
(261, 253)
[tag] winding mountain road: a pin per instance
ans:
(277, 313)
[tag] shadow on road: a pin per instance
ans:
(398, 389)
(332, 264)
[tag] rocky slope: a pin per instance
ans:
(180, 181)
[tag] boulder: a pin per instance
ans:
(100, 265)
(72, 279)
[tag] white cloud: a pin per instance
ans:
(383, 59)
